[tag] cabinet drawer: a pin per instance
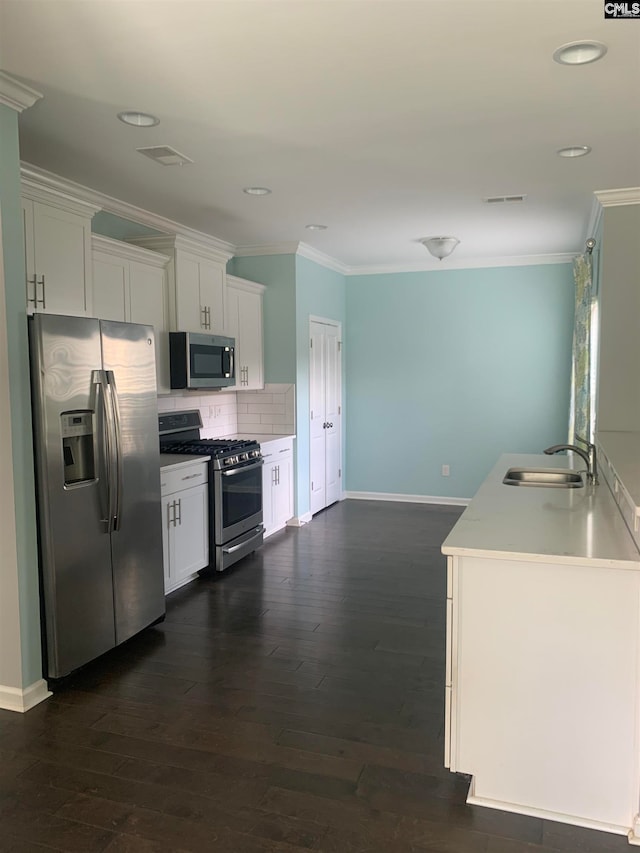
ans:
(281, 448)
(183, 478)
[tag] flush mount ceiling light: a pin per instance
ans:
(257, 190)
(580, 52)
(138, 119)
(440, 247)
(574, 151)
(315, 227)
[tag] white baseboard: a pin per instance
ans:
(410, 499)
(546, 814)
(15, 699)
(299, 520)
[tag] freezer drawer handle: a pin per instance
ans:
(256, 533)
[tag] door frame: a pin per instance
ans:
(335, 324)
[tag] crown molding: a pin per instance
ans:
(126, 210)
(324, 260)
(464, 264)
(16, 95)
(126, 250)
(245, 284)
(615, 198)
(254, 249)
(183, 243)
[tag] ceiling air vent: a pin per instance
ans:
(165, 155)
(501, 199)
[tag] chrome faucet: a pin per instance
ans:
(589, 456)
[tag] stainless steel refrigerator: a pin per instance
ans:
(98, 480)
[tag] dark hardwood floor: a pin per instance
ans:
(293, 704)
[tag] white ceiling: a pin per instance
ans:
(383, 119)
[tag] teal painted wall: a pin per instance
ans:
(454, 367)
(109, 225)
(13, 249)
(320, 292)
(278, 273)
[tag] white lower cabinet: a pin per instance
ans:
(277, 484)
(541, 687)
(185, 522)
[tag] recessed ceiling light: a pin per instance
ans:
(256, 190)
(580, 52)
(574, 151)
(315, 227)
(138, 119)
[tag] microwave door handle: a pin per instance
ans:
(230, 354)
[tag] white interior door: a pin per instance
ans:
(325, 393)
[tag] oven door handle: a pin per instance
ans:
(256, 534)
(239, 470)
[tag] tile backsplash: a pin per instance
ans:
(267, 412)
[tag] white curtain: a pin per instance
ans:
(582, 403)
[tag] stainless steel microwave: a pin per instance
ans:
(201, 361)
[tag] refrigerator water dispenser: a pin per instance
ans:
(77, 447)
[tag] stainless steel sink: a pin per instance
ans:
(554, 478)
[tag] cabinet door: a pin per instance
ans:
(250, 337)
(189, 316)
(282, 493)
(167, 529)
(147, 299)
(109, 287)
(268, 477)
(190, 539)
(62, 252)
(212, 295)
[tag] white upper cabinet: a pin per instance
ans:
(57, 238)
(243, 321)
(129, 284)
(196, 283)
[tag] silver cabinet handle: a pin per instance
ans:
(34, 281)
(43, 301)
(329, 426)
(179, 510)
(171, 516)
(191, 476)
(203, 317)
(285, 450)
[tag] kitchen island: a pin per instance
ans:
(543, 652)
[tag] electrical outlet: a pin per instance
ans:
(445, 471)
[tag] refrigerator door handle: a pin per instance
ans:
(99, 379)
(117, 449)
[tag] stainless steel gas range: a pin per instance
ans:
(235, 485)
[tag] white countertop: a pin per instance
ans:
(533, 523)
(179, 460)
(263, 438)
